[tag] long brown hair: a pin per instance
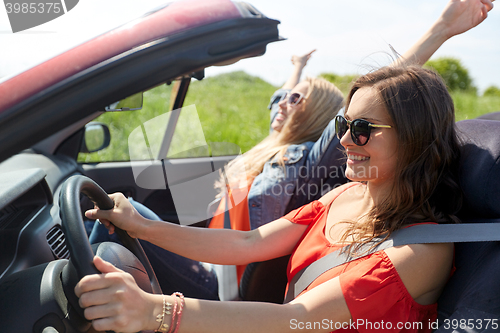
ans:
(425, 186)
(322, 103)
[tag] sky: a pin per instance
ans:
(349, 36)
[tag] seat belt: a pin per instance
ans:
(227, 218)
(418, 234)
(226, 274)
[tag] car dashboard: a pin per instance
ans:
(30, 225)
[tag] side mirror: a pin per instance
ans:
(131, 103)
(96, 137)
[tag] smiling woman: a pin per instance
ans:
(399, 284)
(402, 283)
(371, 147)
(406, 147)
(407, 133)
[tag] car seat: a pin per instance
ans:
(266, 281)
(472, 296)
(490, 116)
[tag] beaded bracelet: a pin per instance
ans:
(179, 313)
(161, 317)
(174, 312)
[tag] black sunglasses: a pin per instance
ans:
(360, 129)
(293, 99)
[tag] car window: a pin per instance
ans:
(121, 124)
(222, 115)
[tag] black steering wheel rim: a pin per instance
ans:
(77, 241)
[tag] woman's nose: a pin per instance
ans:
(282, 103)
(346, 139)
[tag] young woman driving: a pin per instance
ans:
(388, 135)
(399, 123)
(262, 181)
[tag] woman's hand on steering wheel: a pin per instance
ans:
(122, 215)
(112, 300)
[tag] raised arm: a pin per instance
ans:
(299, 62)
(458, 17)
(218, 246)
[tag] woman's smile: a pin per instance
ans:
(353, 158)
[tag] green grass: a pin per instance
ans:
(232, 108)
(469, 105)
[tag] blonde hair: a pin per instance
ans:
(322, 103)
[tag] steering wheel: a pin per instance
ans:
(77, 242)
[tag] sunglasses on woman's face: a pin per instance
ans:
(292, 99)
(360, 129)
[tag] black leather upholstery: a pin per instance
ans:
(473, 292)
(480, 168)
(265, 281)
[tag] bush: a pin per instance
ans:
(453, 73)
(492, 91)
(343, 82)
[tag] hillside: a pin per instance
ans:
(231, 108)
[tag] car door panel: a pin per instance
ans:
(178, 190)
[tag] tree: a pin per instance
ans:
(492, 91)
(454, 74)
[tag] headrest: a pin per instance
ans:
(490, 116)
(480, 168)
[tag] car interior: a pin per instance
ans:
(43, 243)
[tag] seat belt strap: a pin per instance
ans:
(227, 218)
(418, 234)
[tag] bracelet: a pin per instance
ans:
(179, 313)
(172, 322)
(161, 317)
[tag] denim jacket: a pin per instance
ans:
(311, 170)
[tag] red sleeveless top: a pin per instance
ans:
(373, 290)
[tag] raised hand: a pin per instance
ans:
(301, 61)
(462, 15)
(457, 17)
